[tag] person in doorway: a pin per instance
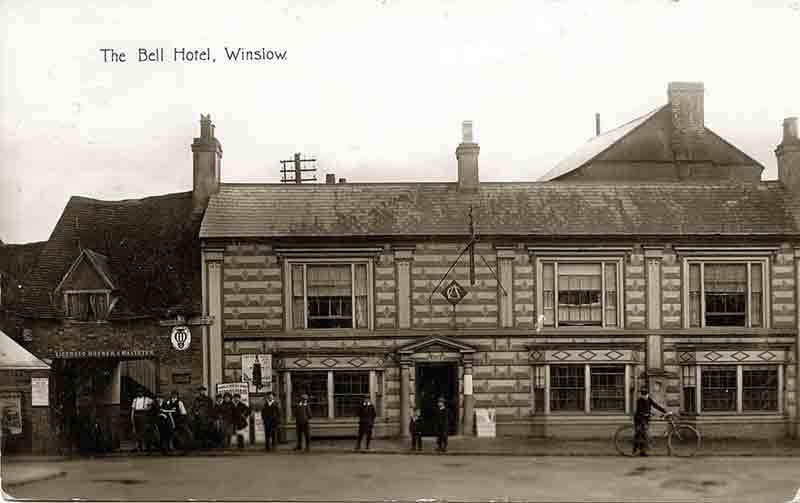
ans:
(441, 420)
(366, 420)
(226, 416)
(241, 414)
(271, 417)
(641, 420)
(201, 417)
(415, 429)
(302, 418)
(141, 410)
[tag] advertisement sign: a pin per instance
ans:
(266, 372)
(486, 422)
(11, 413)
(40, 391)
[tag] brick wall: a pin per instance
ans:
(635, 287)
(477, 310)
(501, 377)
(36, 430)
(252, 288)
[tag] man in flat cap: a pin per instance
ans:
(271, 416)
(201, 417)
(302, 418)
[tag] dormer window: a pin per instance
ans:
(87, 306)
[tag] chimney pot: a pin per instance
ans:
(597, 124)
(342, 180)
(330, 178)
(466, 132)
(790, 133)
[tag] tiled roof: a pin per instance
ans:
(148, 247)
(595, 146)
(17, 259)
(550, 209)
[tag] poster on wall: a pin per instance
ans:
(11, 413)
(40, 391)
(266, 372)
(485, 422)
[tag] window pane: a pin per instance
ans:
(567, 388)
(759, 388)
(349, 389)
(608, 388)
(726, 294)
(547, 294)
(611, 294)
(719, 388)
(361, 312)
(694, 295)
(330, 296)
(579, 291)
(315, 385)
(298, 307)
(756, 299)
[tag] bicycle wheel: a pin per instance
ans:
(684, 441)
(623, 439)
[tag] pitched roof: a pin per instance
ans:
(15, 357)
(148, 248)
(98, 261)
(596, 146)
(501, 209)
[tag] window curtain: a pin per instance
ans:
(725, 278)
(579, 288)
(611, 294)
(360, 290)
(694, 295)
(298, 306)
(756, 299)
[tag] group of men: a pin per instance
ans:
(441, 426)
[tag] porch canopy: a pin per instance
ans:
(15, 357)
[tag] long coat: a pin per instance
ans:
(302, 413)
(271, 414)
(441, 421)
(366, 415)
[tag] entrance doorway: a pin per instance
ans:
(434, 381)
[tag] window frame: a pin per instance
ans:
(72, 316)
(697, 386)
(377, 390)
(541, 374)
(288, 319)
(603, 261)
(748, 261)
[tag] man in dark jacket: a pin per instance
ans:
(302, 418)
(271, 416)
(241, 413)
(201, 417)
(441, 418)
(366, 420)
(225, 413)
(415, 429)
(641, 420)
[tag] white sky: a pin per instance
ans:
(375, 90)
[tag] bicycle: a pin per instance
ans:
(683, 440)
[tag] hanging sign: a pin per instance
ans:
(486, 422)
(265, 361)
(40, 391)
(181, 337)
(11, 413)
(454, 292)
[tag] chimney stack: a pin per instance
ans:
(342, 180)
(330, 179)
(597, 124)
(207, 164)
(467, 156)
(788, 154)
(688, 123)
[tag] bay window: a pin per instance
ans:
(580, 293)
(726, 294)
(329, 295)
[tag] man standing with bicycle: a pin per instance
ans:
(641, 420)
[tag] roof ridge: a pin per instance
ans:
(86, 199)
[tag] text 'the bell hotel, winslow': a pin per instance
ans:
(655, 255)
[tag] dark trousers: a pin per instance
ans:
(303, 431)
(441, 441)
(140, 423)
(640, 440)
(416, 442)
(364, 430)
(271, 436)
